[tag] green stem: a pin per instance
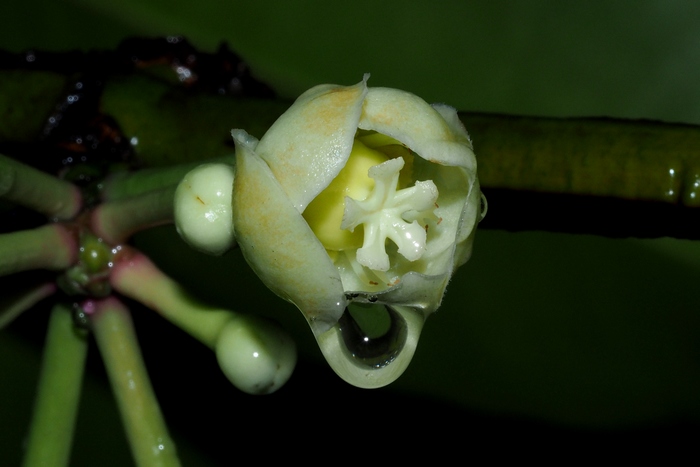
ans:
(145, 427)
(128, 184)
(48, 247)
(56, 406)
(135, 276)
(14, 306)
(37, 190)
(584, 156)
(116, 221)
(255, 354)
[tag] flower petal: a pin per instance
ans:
(471, 216)
(279, 245)
(433, 132)
(311, 142)
(418, 291)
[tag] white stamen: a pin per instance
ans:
(383, 215)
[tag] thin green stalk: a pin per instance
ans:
(135, 276)
(145, 427)
(37, 190)
(116, 221)
(255, 354)
(128, 184)
(22, 301)
(56, 406)
(48, 247)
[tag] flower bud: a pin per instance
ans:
(256, 355)
(203, 208)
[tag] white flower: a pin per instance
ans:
(357, 205)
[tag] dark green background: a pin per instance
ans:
(541, 335)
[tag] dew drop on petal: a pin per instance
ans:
(372, 344)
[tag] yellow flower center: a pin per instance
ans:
(371, 191)
(325, 213)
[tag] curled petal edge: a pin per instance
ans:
(434, 132)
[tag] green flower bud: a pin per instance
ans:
(203, 208)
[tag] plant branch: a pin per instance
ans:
(50, 247)
(640, 160)
(145, 427)
(56, 406)
(116, 221)
(37, 190)
(17, 304)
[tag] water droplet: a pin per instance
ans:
(672, 185)
(691, 194)
(367, 347)
(371, 347)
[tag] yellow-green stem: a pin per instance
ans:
(13, 306)
(116, 221)
(48, 247)
(37, 190)
(143, 421)
(138, 278)
(128, 184)
(56, 406)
